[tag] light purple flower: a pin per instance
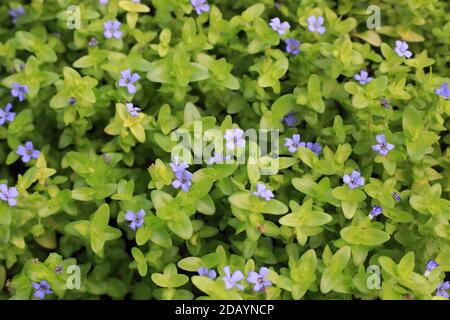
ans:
(401, 48)
(128, 80)
(292, 46)
(259, 280)
(363, 77)
(263, 192)
(16, 13)
(376, 211)
(431, 265)
(200, 6)
(293, 143)
(111, 29)
(231, 280)
(58, 269)
(315, 24)
(396, 196)
(354, 180)
(41, 289)
(442, 288)
(218, 158)
(8, 195)
(203, 271)
(314, 147)
(132, 110)
(290, 119)
(383, 147)
(92, 42)
(177, 166)
(278, 26)
(27, 152)
(103, 2)
(234, 138)
(182, 180)
(443, 90)
(6, 115)
(136, 219)
(19, 91)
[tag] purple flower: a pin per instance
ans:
(16, 13)
(290, 119)
(442, 288)
(111, 29)
(127, 80)
(72, 101)
(183, 180)
(396, 197)
(263, 192)
(376, 211)
(382, 147)
(401, 48)
(314, 147)
(103, 2)
(200, 6)
(132, 110)
(19, 91)
(136, 219)
(234, 138)
(203, 271)
(316, 24)
(8, 195)
(92, 42)
(218, 158)
(41, 289)
(363, 77)
(354, 180)
(6, 115)
(27, 152)
(278, 26)
(177, 166)
(431, 265)
(293, 143)
(231, 280)
(259, 280)
(292, 46)
(58, 269)
(384, 102)
(443, 90)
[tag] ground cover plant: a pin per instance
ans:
(129, 167)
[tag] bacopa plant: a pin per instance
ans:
(134, 160)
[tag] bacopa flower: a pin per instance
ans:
(315, 24)
(401, 48)
(8, 195)
(103, 2)
(396, 196)
(182, 180)
(431, 265)
(382, 147)
(177, 166)
(384, 102)
(263, 192)
(376, 211)
(231, 280)
(136, 219)
(16, 13)
(6, 115)
(27, 152)
(234, 137)
(111, 29)
(259, 279)
(128, 80)
(443, 91)
(72, 101)
(363, 77)
(292, 46)
(314, 147)
(293, 143)
(92, 42)
(200, 6)
(442, 288)
(18, 90)
(218, 158)
(132, 110)
(290, 119)
(203, 271)
(278, 26)
(58, 269)
(41, 289)
(354, 180)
